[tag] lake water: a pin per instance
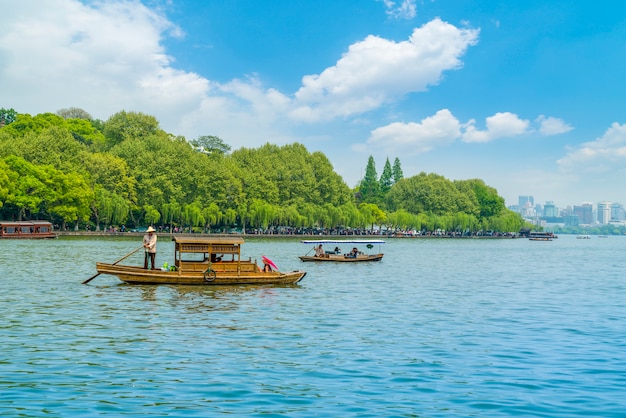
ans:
(438, 328)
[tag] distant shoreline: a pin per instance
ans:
(298, 236)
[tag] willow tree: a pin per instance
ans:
(151, 215)
(192, 215)
(372, 215)
(212, 215)
(261, 213)
(109, 208)
(170, 213)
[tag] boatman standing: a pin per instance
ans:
(149, 244)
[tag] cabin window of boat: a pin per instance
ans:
(27, 230)
(195, 257)
(11, 230)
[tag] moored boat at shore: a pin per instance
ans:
(203, 261)
(336, 255)
(26, 229)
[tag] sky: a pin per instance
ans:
(528, 96)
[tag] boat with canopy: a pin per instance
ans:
(26, 229)
(203, 261)
(319, 254)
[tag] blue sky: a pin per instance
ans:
(529, 96)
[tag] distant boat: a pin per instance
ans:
(541, 236)
(583, 237)
(337, 256)
(26, 229)
(603, 236)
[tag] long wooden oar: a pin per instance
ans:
(126, 256)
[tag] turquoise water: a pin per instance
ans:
(438, 328)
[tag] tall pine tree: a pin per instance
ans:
(370, 188)
(386, 178)
(397, 170)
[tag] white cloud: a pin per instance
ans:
(500, 125)
(376, 70)
(414, 138)
(405, 10)
(605, 154)
(552, 126)
(444, 128)
(104, 57)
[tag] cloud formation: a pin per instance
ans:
(605, 154)
(552, 126)
(376, 70)
(405, 10)
(103, 57)
(500, 125)
(443, 128)
(108, 56)
(417, 137)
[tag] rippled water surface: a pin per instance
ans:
(438, 328)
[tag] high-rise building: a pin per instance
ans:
(617, 212)
(604, 212)
(584, 213)
(526, 206)
(526, 201)
(549, 210)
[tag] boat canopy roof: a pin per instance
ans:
(344, 241)
(209, 240)
(13, 223)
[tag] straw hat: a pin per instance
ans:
(150, 229)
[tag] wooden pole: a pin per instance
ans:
(126, 256)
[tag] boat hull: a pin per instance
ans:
(138, 275)
(340, 258)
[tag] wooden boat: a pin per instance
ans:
(26, 229)
(203, 261)
(338, 256)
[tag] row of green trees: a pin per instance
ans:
(76, 171)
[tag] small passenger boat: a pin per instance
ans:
(26, 229)
(541, 236)
(203, 261)
(336, 255)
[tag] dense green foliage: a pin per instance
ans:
(78, 172)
